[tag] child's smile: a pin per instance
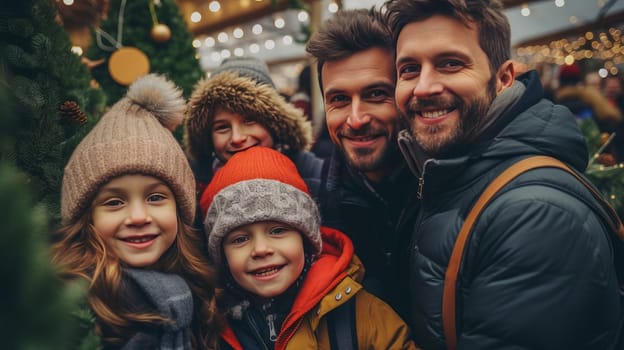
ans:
(136, 216)
(264, 258)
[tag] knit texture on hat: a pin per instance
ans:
(239, 94)
(250, 67)
(258, 184)
(133, 137)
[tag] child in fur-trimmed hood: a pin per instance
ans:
(237, 108)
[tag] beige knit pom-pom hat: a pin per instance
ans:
(133, 137)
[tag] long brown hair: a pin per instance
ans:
(80, 253)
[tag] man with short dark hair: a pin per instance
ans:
(538, 268)
(368, 188)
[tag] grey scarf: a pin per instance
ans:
(172, 298)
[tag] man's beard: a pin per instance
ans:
(368, 159)
(472, 117)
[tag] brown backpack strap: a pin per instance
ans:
(450, 278)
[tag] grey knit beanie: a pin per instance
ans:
(258, 184)
(133, 137)
(250, 67)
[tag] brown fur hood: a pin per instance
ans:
(242, 95)
(604, 111)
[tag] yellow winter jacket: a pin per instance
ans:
(331, 281)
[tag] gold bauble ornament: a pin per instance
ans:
(160, 33)
(604, 137)
(127, 64)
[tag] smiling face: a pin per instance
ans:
(361, 115)
(264, 258)
(445, 86)
(232, 132)
(136, 216)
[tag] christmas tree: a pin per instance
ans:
(157, 29)
(38, 311)
(602, 170)
(52, 96)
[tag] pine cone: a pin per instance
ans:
(70, 110)
(606, 159)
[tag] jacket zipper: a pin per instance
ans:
(271, 323)
(421, 179)
(421, 183)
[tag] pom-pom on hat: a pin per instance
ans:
(258, 184)
(133, 137)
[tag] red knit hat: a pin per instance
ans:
(258, 184)
(570, 74)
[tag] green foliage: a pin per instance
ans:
(38, 310)
(40, 73)
(174, 58)
(609, 180)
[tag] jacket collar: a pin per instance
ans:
(335, 262)
(340, 173)
(523, 124)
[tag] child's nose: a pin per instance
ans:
(138, 215)
(239, 135)
(261, 247)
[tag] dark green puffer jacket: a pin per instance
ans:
(538, 270)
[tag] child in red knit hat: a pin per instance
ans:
(289, 283)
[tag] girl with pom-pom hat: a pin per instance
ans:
(127, 204)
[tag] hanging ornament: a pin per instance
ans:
(160, 33)
(70, 110)
(606, 159)
(602, 157)
(127, 64)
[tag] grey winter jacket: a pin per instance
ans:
(538, 270)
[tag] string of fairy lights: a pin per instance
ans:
(605, 46)
(250, 38)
